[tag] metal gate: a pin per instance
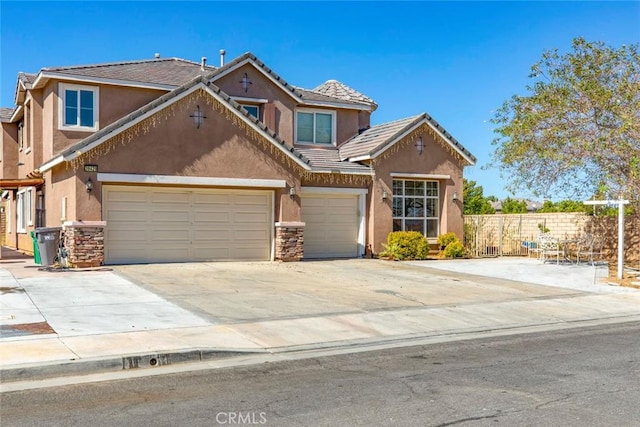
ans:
(500, 235)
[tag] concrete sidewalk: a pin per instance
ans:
(60, 322)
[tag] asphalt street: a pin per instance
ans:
(577, 377)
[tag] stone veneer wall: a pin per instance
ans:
(289, 241)
(84, 242)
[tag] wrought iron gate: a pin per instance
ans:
(500, 235)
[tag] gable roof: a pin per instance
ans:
(303, 96)
(377, 139)
(160, 71)
(5, 114)
(164, 101)
(340, 90)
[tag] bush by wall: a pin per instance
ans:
(405, 245)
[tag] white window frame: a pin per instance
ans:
(8, 214)
(315, 111)
(424, 218)
(62, 88)
(24, 216)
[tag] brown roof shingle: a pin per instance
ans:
(328, 160)
(165, 71)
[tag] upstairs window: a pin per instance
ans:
(78, 107)
(254, 110)
(316, 127)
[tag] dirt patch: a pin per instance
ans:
(630, 277)
(40, 328)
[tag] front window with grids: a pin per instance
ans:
(415, 207)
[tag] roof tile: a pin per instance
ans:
(166, 71)
(336, 89)
(328, 160)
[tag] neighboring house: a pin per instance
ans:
(171, 160)
(532, 205)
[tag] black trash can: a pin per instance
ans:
(48, 239)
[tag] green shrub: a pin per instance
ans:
(445, 239)
(450, 246)
(405, 245)
(454, 250)
(392, 251)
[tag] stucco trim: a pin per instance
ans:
(130, 178)
(87, 224)
(418, 175)
(290, 224)
(333, 190)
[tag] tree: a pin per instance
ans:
(474, 201)
(577, 132)
(510, 206)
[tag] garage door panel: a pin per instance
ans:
(147, 224)
(331, 225)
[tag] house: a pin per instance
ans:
(167, 160)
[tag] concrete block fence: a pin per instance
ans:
(508, 234)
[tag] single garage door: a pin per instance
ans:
(331, 225)
(160, 224)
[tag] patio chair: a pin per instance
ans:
(589, 246)
(549, 246)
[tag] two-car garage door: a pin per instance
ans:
(162, 224)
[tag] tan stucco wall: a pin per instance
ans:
(9, 147)
(262, 88)
(175, 146)
(434, 160)
(49, 107)
(348, 121)
(114, 103)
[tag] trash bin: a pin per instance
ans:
(36, 252)
(48, 239)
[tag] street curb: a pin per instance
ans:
(148, 361)
(41, 371)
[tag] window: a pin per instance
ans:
(21, 134)
(23, 210)
(78, 107)
(315, 127)
(254, 110)
(416, 207)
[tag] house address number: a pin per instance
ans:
(91, 168)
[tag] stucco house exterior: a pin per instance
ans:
(168, 160)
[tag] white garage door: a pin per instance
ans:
(158, 224)
(331, 225)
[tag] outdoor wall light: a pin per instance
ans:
(198, 117)
(419, 145)
(385, 196)
(292, 193)
(89, 185)
(455, 196)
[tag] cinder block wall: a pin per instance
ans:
(516, 228)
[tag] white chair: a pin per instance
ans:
(549, 246)
(588, 247)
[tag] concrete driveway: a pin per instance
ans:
(236, 292)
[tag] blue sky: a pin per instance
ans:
(458, 61)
